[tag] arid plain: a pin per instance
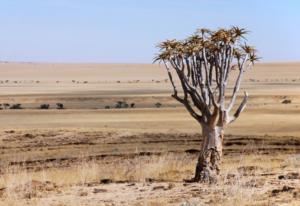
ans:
(91, 153)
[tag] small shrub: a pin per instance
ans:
(132, 105)
(107, 107)
(158, 105)
(121, 104)
(5, 105)
(44, 106)
(286, 101)
(16, 106)
(118, 105)
(59, 106)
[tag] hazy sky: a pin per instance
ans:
(128, 30)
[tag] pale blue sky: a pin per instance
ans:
(126, 31)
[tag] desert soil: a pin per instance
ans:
(88, 155)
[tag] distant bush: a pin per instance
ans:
(132, 105)
(16, 106)
(121, 104)
(44, 106)
(286, 101)
(107, 107)
(85, 82)
(158, 105)
(59, 106)
(5, 105)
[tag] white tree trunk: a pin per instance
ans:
(208, 166)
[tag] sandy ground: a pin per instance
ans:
(62, 155)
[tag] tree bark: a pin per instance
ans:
(208, 165)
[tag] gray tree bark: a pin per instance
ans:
(209, 161)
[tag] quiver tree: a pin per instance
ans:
(203, 64)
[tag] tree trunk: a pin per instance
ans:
(208, 166)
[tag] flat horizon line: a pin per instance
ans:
(126, 63)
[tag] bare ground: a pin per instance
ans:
(108, 168)
(87, 155)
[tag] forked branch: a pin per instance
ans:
(203, 63)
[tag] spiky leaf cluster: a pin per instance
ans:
(214, 42)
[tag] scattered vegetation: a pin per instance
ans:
(286, 101)
(6, 105)
(44, 106)
(60, 106)
(121, 104)
(16, 106)
(158, 105)
(19, 106)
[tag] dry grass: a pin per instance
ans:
(167, 167)
(235, 187)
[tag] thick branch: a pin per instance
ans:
(240, 109)
(171, 78)
(196, 116)
(237, 84)
(211, 94)
(184, 100)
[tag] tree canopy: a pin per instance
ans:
(203, 63)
